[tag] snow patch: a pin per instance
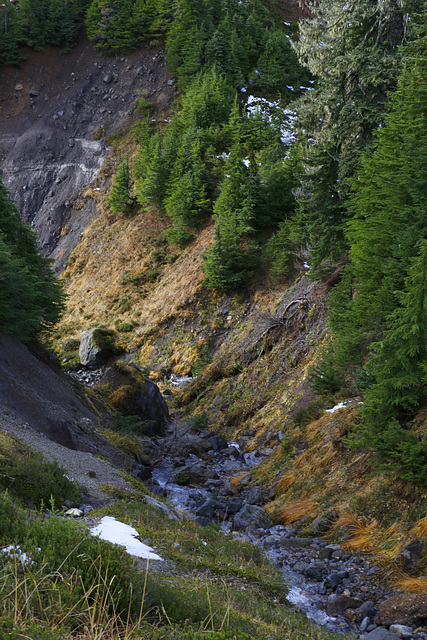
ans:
(126, 536)
(340, 405)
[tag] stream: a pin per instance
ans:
(324, 581)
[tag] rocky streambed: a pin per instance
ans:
(335, 588)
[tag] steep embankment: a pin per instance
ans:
(57, 115)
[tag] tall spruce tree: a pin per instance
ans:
(354, 50)
(31, 300)
(380, 308)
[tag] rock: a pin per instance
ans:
(411, 556)
(133, 394)
(365, 624)
(167, 392)
(295, 543)
(207, 509)
(107, 78)
(325, 553)
(337, 604)
(255, 496)
(234, 505)
(169, 512)
(96, 346)
(314, 571)
(272, 541)
(195, 474)
(402, 631)
(252, 515)
(404, 609)
(380, 634)
(300, 566)
(218, 443)
(332, 580)
(141, 472)
(365, 609)
(34, 93)
(323, 523)
(18, 87)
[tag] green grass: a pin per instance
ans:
(84, 588)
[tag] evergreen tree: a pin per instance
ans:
(31, 299)
(355, 52)
(120, 199)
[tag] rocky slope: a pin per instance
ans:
(56, 115)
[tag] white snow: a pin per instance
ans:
(306, 265)
(117, 532)
(340, 405)
(284, 119)
(15, 551)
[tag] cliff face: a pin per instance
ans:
(58, 114)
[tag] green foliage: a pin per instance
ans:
(9, 630)
(324, 379)
(355, 53)
(379, 309)
(120, 199)
(36, 23)
(132, 424)
(37, 483)
(31, 300)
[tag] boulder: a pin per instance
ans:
(367, 609)
(337, 604)
(380, 634)
(404, 609)
(96, 346)
(252, 515)
(195, 474)
(323, 523)
(169, 512)
(411, 556)
(402, 631)
(131, 393)
(218, 443)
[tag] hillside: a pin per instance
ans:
(244, 218)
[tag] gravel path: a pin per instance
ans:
(80, 465)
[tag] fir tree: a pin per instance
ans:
(120, 199)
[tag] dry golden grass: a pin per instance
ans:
(296, 510)
(413, 585)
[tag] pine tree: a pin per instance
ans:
(120, 199)
(355, 52)
(31, 300)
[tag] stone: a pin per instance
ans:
(323, 523)
(365, 609)
(365, 624)
(337, 604)
(404, 609)
(402, 631)
(95, 347)
(272, 541)
(169, 512)
(207, 509)
(252, 515)
(411, 556)
(332, 580)
(300, 566)
(314, 571)
(255, 496)
(141, 472)
(295, 543)
(325, 553)
(380, 634)
(134, 394)
(194, 474)
(18, 87)
(34, 93)
(107, 78)
(218, 443)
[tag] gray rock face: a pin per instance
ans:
(252, 515)
(63, 97)
(92, 352)
(151, 406)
